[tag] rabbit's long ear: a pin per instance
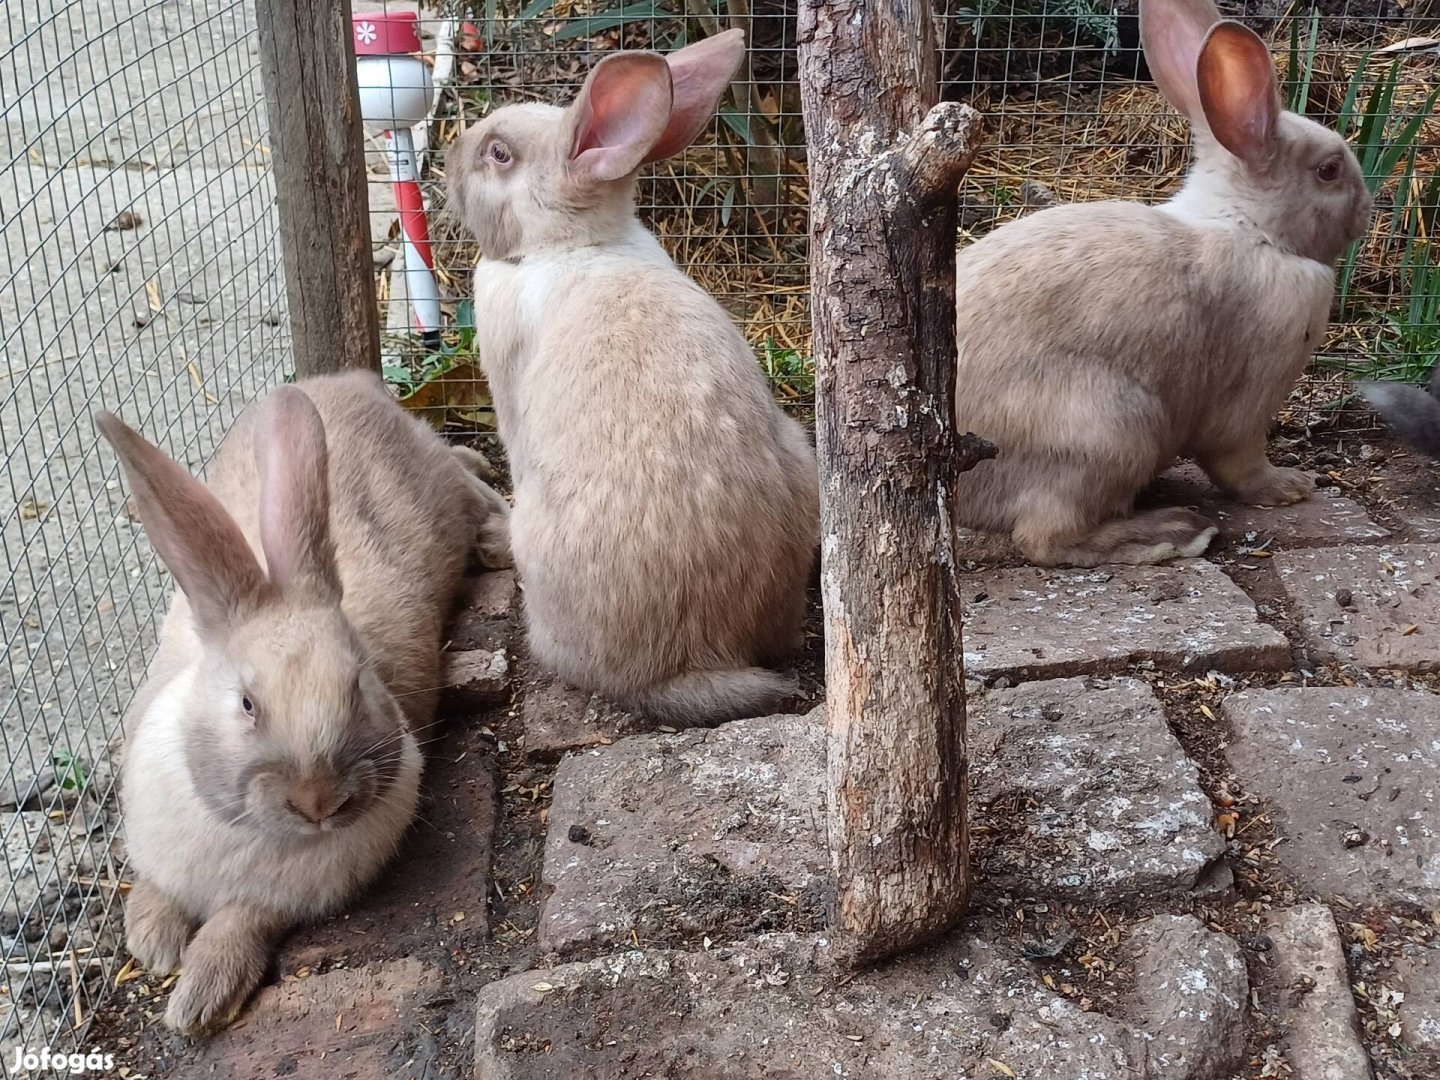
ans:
(1172, 33)
(294, 467)
(1238, 91)
(620, 113)
(192, 532)
(699, 74)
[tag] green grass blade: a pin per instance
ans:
(1405, 139)
(1312, 44)
(1352, 94)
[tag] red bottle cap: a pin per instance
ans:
(392, 33)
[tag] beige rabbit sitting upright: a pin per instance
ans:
(271, 762)
(1098, 342)
(666, 510)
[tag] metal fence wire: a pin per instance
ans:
(141, 273)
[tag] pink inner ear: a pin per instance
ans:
(189, 528)
(619, 114)
(700, 73)
(1238, 91)
(293, 463)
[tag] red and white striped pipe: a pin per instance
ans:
(395, 91)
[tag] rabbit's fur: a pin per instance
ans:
(1098, 342)
(1412, 411)
(666, 510)
(272, 758)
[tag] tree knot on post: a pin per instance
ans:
(970, 450)
(932, 160)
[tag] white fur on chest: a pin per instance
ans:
(513, 299)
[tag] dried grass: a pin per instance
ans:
(1117, 141)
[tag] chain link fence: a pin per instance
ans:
(141, 273)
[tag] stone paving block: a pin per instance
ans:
(1409, 484)
(493, 595)
(1419, 977)
(1037, 623)
(474, 678)
(1313, 990)
(484, 622)
(684, 831)
(1189, 999)
(1326, 518)
(354, 1023)
(1354, 774)
(1092, 795)
(702, 833)
(558, 718)
(1377, 607)
(956, 1009)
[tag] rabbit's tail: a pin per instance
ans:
(1412, 412)
(699, 698)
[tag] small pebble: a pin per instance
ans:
(125, 221)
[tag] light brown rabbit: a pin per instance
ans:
(1097, 342)
(271, 762)
(666, 510)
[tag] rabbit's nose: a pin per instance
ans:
(315, 799)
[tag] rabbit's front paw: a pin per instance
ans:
(494, 545)
(474, 462)
(493, 536)
(156, 929)
(204, 1001)
(1277, 487)
(222, 967)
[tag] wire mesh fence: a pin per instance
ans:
(732, 210)
(138, 273)
(141, 273)
(1074, 117)
(1071, 114)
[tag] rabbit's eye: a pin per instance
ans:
(248, 706)
(499, 153)
(1328, 171)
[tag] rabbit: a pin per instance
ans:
(272, 758)
(1412, 411)
(666, 511)
(1097, 342)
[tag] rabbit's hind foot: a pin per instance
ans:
(1154, 536)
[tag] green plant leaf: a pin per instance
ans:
(736, 121)
(1352, 94)
(586, 25)
(534, 9)
(727, 205)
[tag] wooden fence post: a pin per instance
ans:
(317, 145)
(884, 167)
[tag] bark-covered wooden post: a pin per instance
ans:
(885, 161)
(317, 146)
